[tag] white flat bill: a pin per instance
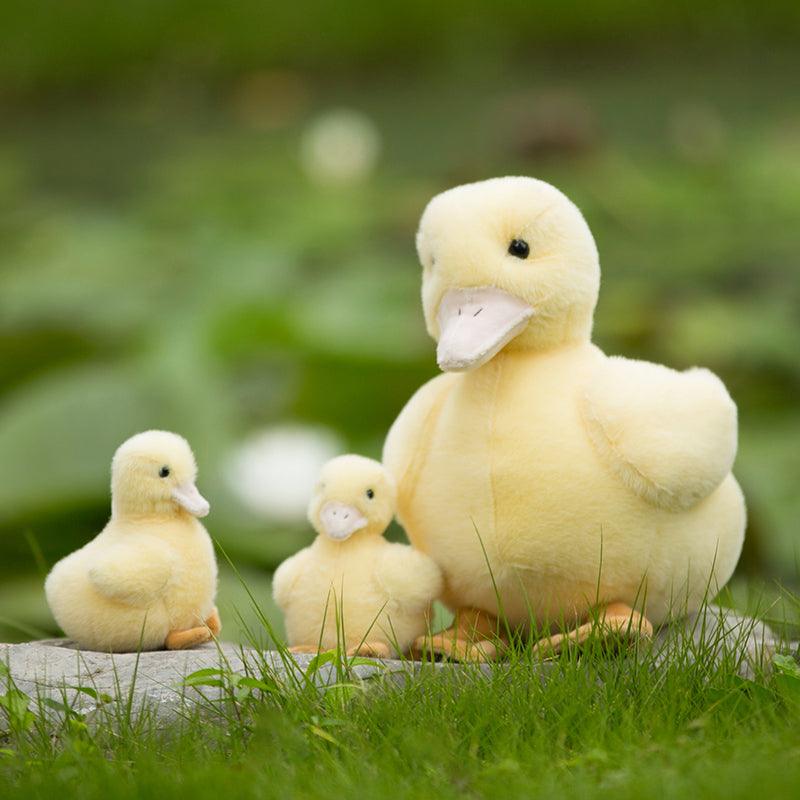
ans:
(341, 521)
(475, 324)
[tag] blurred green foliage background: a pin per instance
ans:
(207, 221)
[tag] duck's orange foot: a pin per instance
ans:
(614, 624)
(183, 640)
(448, 646)
(213, 623)
(471, 638)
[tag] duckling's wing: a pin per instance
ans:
(408, 577)
(286, 576)
(132, 573)
(670, 436)
(405, 448)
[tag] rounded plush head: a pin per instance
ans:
(354, 495)
(153, 473)
(508, 262)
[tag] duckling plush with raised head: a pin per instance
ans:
(351, 581)
(548, 480)
(148, 579)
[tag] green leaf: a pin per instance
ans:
(204, 677)
(78, 727)
(319, 660)
(360, 661)
(786, 678)
(242, 693)
(786, 665)
(202, 673)
(94, 694)
(57, 706)
(16, 704)
(255, 683)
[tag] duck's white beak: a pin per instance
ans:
(187, 496)
(475, 324)
(340, 521)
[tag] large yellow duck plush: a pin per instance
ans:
(553, 484)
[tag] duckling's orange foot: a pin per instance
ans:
(615, 625)
(213, 623)
(183, 640)
(304, 649)
(371, 650)
(470, 639)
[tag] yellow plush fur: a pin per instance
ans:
(380, 591)
(590, 479)
(151, 570)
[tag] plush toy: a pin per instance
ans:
(149, 578)
(549, 481)
(351, 587)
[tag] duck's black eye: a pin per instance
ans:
(370, 494)
(519, 248)
(163, 472)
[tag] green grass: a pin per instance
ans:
(595, 725)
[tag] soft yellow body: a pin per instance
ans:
(135, 582)
(581, 479)
(151, 571)
(381, 590)
(560, 529)
(351, 586)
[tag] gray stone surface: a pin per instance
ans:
(719, 634)
(154, 682)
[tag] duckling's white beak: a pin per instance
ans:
(340, 521)
(475, 324)
(187, 496)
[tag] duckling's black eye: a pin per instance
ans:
(163, 472)
(519, 248)
(370, 494)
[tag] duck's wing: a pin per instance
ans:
(286, 577)
(132, 573)
(670, 436)
(407, 577)
(405, 447)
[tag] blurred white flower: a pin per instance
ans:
(274, 471)
(341, 146)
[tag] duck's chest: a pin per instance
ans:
(506, 454)
(194, 575)
(345, 571)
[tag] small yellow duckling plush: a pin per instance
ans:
(148, 579)
(378, 592)
(600, 487)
